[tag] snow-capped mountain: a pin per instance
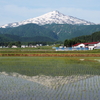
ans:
(50, 18)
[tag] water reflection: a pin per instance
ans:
(17, 88)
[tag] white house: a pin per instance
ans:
(0, 46)
(31, 46)
(79, 45)
(23, 46)
(14, 46)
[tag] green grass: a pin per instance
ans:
(53, 66)
(42, 49)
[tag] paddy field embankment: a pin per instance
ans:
(30, 52)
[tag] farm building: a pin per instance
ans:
(90, 45)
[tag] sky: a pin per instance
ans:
(19, 10)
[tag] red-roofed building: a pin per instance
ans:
(90, 45)
(81, 45)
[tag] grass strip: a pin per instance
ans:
(51, 54)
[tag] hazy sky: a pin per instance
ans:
(19, 10)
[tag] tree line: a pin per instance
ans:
(10, 44)
(18, 43)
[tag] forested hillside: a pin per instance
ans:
(68, 31)
(29, 32)
(11, 38)
(90, 38)
(48, 33)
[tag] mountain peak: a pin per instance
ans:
(50, 18)
(55, 12)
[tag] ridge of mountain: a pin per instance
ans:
(54, 17)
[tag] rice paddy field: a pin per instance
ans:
(49, 78)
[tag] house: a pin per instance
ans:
(23, 46)
(78, 45)
(30, 46)
(38, 45)
(90, 45)
(14, 46)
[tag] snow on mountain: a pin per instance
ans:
(50, 18)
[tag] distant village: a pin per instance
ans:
(22, 46)
(78, 46)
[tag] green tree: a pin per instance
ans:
(18, 44)
(10, 45)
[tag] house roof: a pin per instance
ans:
(91, 43)
(77, 44)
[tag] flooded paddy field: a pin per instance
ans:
(49, 78)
